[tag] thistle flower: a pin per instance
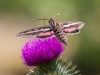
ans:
(38, 51)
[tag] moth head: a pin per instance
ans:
(51, 22)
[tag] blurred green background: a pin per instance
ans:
(18, 15)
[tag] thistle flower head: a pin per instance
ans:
(38, 51)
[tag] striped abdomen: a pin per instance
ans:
(60, 34)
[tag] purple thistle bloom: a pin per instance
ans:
(39, 51)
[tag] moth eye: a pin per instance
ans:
(49, 21)
(57, 32)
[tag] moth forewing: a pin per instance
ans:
(81, 25)
(34, 31)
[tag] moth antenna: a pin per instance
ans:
(41, 19)
(56, 15)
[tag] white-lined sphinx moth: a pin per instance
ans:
(56, 28)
